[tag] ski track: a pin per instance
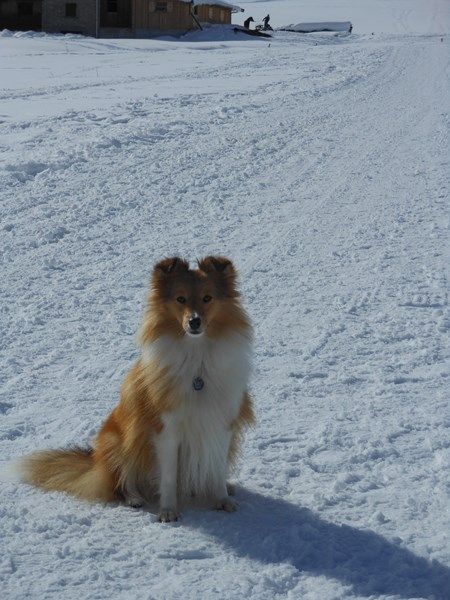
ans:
(325, 180)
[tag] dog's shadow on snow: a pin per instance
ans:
(274, 531)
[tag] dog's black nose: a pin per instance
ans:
(195, 323)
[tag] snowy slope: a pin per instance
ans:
(367, 16)
(320, 164)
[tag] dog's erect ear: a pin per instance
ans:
(170, 265)
(163, 273)
(219, 264)
(223, 271)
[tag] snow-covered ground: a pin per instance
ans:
(320, 164)
(367, 16)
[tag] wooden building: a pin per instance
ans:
(161, 15)
(114, 18)
(76, 16)
(25, 15)
(115, 13)
(214, 13)
(148, 18)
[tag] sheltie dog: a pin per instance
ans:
(183, 405)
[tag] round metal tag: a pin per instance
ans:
(198, 383)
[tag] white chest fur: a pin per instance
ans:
(200, 425)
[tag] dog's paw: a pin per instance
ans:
(227, 504)
(168, 515)
(134, 501)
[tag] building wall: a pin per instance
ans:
(138, 18)
(115, 13)
(54, 19)
(116, 32)
(10, 17)
(176, 17)
(206, 13)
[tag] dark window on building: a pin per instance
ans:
(195, 10)
(111, 6)
(71, 9)
(161, 7)
(24, 9)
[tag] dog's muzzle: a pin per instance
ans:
(195, 325)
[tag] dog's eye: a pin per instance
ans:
(181, 299)
(207, 298)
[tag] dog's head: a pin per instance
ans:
(194, 302)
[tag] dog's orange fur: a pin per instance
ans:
(123, 459)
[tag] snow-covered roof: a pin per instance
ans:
(233, 7)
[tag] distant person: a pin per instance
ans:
(266, 22)
(247, 22)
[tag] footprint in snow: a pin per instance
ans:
(56, 234)
(4, 407)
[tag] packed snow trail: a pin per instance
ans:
(319, 165)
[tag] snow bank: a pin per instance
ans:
(211, 33)
(6, 33)
(317, 27)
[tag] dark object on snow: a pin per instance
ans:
(254, 32)
(262, 28)
(344, 26)
(247, 22)
(265, 26)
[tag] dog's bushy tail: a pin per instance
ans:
(73, 470)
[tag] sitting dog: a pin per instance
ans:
(183, 406)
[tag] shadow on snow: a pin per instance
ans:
(274, 531)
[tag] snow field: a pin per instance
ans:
(320, 165)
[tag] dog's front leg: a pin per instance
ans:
(223, 501)
(167, 452)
